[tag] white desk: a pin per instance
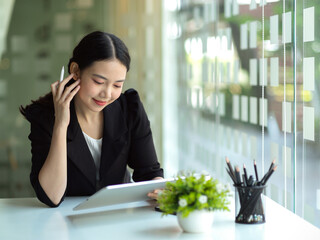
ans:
(27, 218)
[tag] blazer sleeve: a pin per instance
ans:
(142, 156)
(40, 136)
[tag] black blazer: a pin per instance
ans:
(127, 140)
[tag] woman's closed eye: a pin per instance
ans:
(97, 82)
(117, 86)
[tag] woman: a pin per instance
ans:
(85, 132)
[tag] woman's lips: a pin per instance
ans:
(100, 103)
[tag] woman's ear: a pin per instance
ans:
(74, 68)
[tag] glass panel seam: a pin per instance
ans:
(294, 103)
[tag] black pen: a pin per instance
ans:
(232, 177)
(255, 170)
(238, 178)
(230, 167)
(245, 174)
(272, 165)
(269, 175)
(250, 181)
(268, 172)
(244, 180)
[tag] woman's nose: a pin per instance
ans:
(106, 93)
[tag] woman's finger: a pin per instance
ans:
(62, 85)
(67, 79)
(69, 89)
(155, 193)
(158, 191)
(152, 195)
(54, 88)
(72, 94)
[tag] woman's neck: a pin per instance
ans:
(90, 122)
(87, 116)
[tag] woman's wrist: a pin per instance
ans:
(60, 128)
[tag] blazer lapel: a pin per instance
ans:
(114, 137)
(78, 150)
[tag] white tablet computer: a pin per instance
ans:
(122, 193)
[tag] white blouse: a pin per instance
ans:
(95, 146)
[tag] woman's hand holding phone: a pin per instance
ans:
(62, 97)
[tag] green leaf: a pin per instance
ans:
(190, 187)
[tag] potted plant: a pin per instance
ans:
(194, 199)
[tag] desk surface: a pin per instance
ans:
(27, 218)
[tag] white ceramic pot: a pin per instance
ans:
(197, 221)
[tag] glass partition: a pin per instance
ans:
(246, 88)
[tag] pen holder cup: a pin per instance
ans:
(249, 204)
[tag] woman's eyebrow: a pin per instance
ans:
(99, 76)
(104, 78)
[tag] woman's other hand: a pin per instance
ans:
(155, 193)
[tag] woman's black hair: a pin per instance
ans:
(96, 46)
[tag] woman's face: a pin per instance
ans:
(101, 84)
